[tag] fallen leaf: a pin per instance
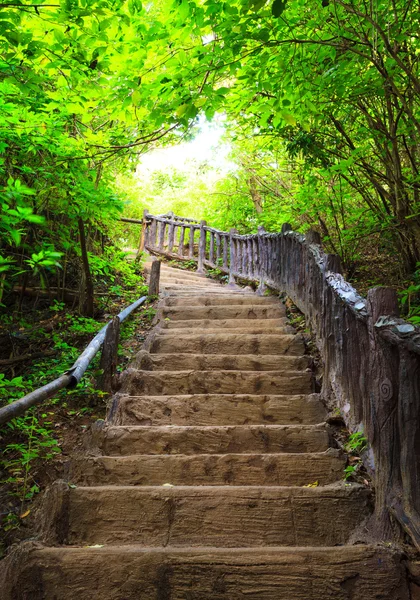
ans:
(25, 514)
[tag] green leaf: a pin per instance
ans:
(278, 8)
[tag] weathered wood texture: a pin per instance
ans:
(371, 357)
(154, 278)
(109, 357)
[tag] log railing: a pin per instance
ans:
(371, 357)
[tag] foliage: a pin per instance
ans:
(333, 86)
(34, 438)
(357, 443)
(410, 299)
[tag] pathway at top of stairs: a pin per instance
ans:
(198, 488)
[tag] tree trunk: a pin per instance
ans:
(87, 302)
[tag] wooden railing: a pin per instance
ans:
(371, 357)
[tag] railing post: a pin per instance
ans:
(142, 242)
(171, 235)
(218, 248)
(232, 259)
(181, 241)
(191, 242)
(381, 408)
(161, 234)
(225, 251)
(109, 357)
(263, 260)
(154, 278)
(152, 234)
(211, 250)
(201, 248)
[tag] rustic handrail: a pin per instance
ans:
(70, 378)
(371, 357)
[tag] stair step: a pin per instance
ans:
(235, 299)
(210, 469)
(174, 439)
(223, 517)
(208, 362)
(256, 311)
(165, 383)
(200, 281)
(218, 409)
(230, 343)
(276, 573)
(250, 330)
(193, 287)
(267, 324)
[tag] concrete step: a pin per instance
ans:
(212, 439)
(229, 343)
(218, 409)
(276, 573)
(257, 311)
(267, 325)
(164, 383)
(222, 517)
(230, 298)
(210, 469)
(208, 362)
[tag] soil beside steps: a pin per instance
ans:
(212, 478)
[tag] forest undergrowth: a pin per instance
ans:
(41, 337)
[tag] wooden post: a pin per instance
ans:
(255, 258)
(154, 278)
(263, 260)
(142, 242)
(152, 236)
(232, 259)
(409, 434)
(87, 300)
(218, 249)
(249, 263)
(181, 241)
(162, 227)
(239, 256)
(201, 248)
(191, 242)
(313, 237)
(381, 409)
(171, 236)
(109, 357)
(333, 264)
(225, 252)
(211, 251)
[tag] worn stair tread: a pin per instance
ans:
(219, 516)
(207, 362)
(250, 329)
(155, 383)
(230, 343)
(170, 278)
(138, 573)
(223, 323)
(175, 439)
(232, 311)
(238, 299)
(217, 409)
(211, 469)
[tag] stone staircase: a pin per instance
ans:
(215, 478)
